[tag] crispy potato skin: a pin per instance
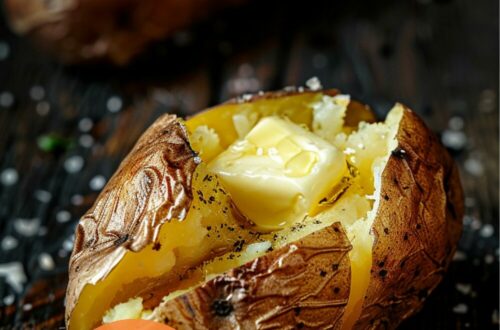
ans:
(417, 227)
(152, 186)
(303, 285)
(306, 283)
(114, 30)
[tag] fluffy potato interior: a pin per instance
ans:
(221, 231)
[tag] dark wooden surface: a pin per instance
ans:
(63, 131)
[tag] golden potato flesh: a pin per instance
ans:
(268, 180)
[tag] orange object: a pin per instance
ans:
(134, 325)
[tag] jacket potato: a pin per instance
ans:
(118, 29)
(292, 209)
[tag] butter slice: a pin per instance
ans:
(279, 172)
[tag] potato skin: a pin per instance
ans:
(113, 30)
(151, 186)
(416, 229)
(304, 285)
(417, 226)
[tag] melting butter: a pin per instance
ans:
(278, 172)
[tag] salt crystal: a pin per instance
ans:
(349, 151)
(459, 256)
(37, 93)
(476, 224)
(9, 243)
(77, 200)
(289, 88)
(97, 182)
(63, 216)
(73, 164)
(489, 259)
(114, 104)
(456, 123)
(314, 84)
(463, 288)
(62, 253)
(6, 99)
(470, 201)
(14, 275)
(246, 97)
(43, 196)
(45, 261)
(27, 307)
(460, 309)
(86, 140)
(68, 244)
(467, 220)
(9, 177)
(494, 317)
(474, 166)
(9, 300)
(27, 227)
(487, 102)
(42, 108)
(43, 231)
(4, 50)
(487, 230)
(454, 139)
(85, 124)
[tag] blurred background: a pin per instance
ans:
(71, 109)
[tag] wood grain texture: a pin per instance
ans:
(56, 146)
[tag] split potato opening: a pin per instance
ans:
(273, 172)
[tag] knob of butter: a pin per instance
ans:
(279, 172)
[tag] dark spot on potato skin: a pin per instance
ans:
(121, 240)
(297, 311)
(322, 273)
(381, 264)
(157, 246)
(386, 197)
(405, 237)
(382, 273)
(222, 307)
(336, 290)
(300, 325)
(335, 267)
(399, 153)
(419, 226)
(386, 231)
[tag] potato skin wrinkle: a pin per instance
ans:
(166, 234)
(288, 288)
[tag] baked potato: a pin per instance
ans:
(278, 210)
(113, 30)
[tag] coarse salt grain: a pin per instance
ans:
(9, 177)
(45, 261)
(314, 84)
(27, 227)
